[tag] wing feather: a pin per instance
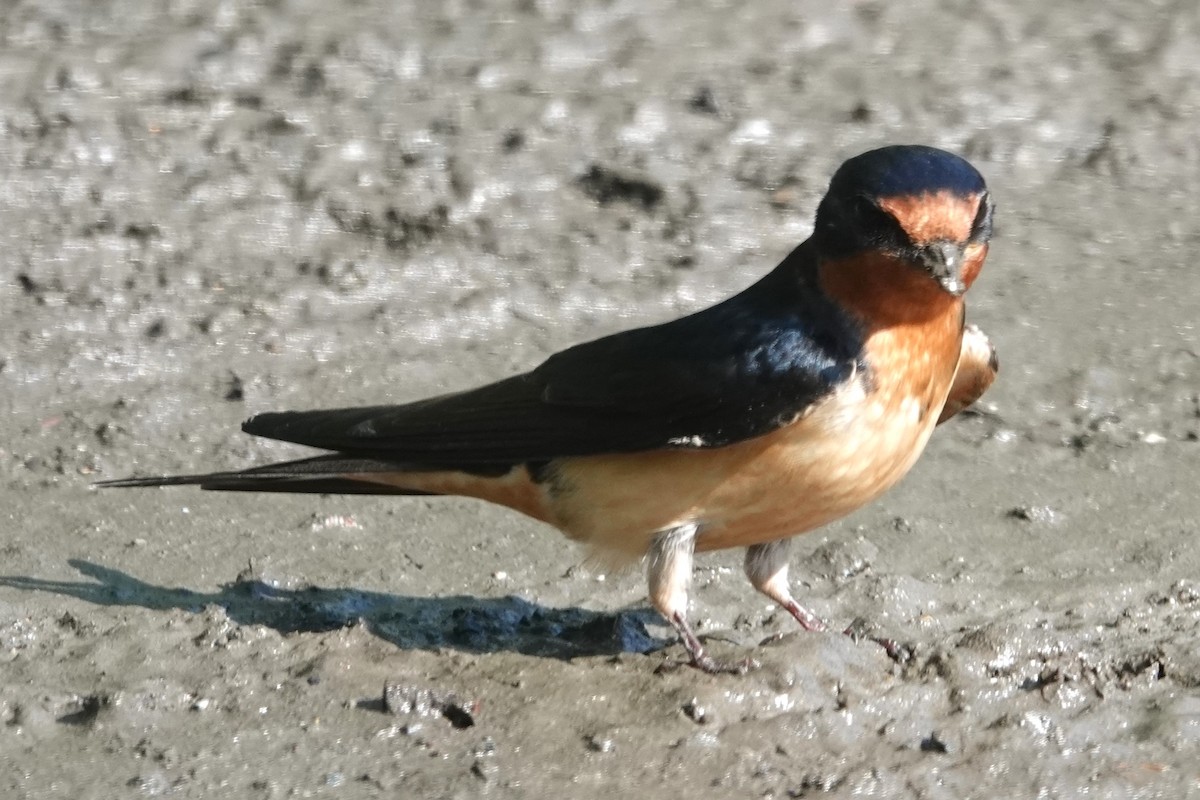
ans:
(731, 372)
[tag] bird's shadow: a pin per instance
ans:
(471, 624)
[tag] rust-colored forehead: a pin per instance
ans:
(933, 216)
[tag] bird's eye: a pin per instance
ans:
(865, 207)
(878, 222)
(981, 228)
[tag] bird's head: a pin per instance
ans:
(916, 204)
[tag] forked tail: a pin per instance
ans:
(329, 474)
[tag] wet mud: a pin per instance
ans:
(213, 209)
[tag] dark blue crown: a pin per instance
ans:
(906, 169)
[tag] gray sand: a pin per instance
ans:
(212, 209)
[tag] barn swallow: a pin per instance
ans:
(767, 415)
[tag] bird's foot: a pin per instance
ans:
(900, 653)
(700, 659)
(807, 619)
(710, 665)
(740, 666)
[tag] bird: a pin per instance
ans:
(770, 414)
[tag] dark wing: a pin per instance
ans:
(734, 371)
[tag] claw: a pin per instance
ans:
(700, 659)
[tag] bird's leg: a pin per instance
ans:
(767, 568)
(670, 575)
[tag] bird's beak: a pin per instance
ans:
(944, 261)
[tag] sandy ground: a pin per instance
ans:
(209, 209)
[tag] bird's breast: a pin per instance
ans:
(851, 447)
(843, 452)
